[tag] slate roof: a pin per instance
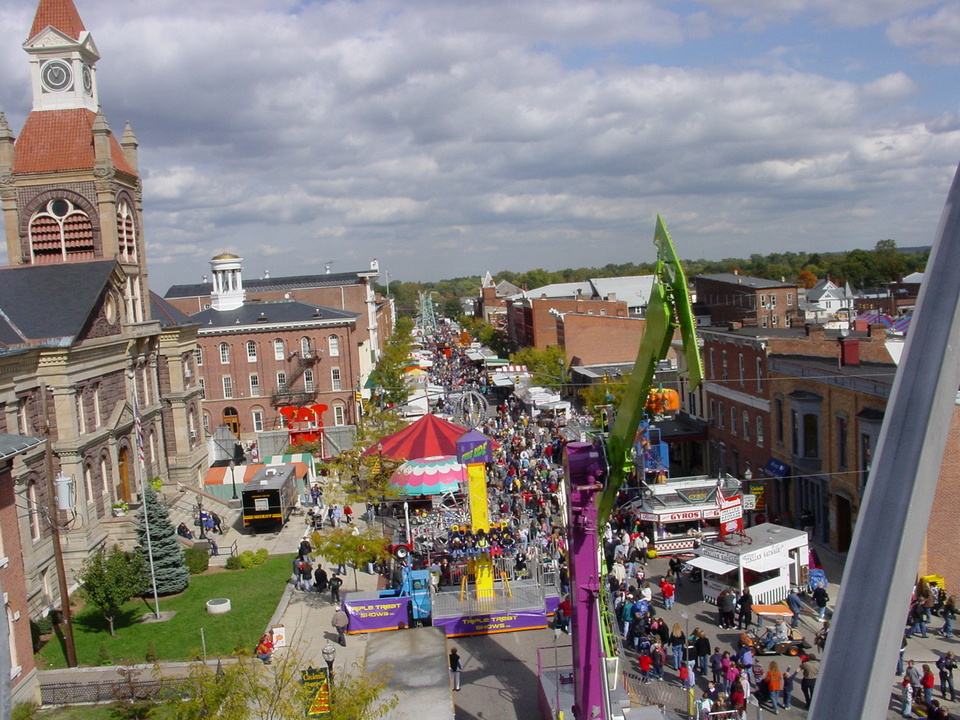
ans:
(50, 304)
(53, 140)
(294, 282)
(61, 14)
(167, 314)
(746, 280)
(287, 311)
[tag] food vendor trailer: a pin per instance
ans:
(679, 513)
(767, 558)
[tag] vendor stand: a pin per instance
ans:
(767, 558)
(680, 513)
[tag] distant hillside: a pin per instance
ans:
(861, 268)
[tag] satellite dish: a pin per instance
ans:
(844, 332)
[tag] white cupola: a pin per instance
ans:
(227, 293)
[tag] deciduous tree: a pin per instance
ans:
(111, 579)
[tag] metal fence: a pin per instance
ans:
(71, 693)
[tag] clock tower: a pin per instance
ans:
(70, 190)
(62, 57)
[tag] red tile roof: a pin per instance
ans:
(53, 140)
(62, 14)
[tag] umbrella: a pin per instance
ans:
(429, 476)
(427, 437)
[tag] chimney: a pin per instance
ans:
(849, 351)
(877, 332)
(815, 332)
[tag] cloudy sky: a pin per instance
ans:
(449, 137)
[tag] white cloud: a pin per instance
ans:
(446, 139)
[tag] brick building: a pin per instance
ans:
(255, 357)
(532, 322)
(940, 554)
(734, 298)
(13, 585)
(599, 339)
(79, 345)
(825, 424)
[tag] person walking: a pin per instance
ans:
(789, 678)
(949, 613)
(774, 680)
(320, 581)
(809, 670)
(927, 682)
(340, 621)
(667, 591)
(796, 606)
(745, 603)
(946, 665)
(335, 582)
(306, 575)
(820, 599)
(677, 641)
(456, 667)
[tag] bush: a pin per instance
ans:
(151, 656)
(25, 711)
(261, 556)
(197, 560)
(39, 627)
(233, 563)
(248, 559)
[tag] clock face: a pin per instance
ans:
(87, 80)
(56, 75)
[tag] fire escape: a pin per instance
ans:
(288, 393)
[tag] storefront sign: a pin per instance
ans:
(731, 514)
(765, 552)
(489, 624)
(374, 615)
(717, 554)
(318, 701)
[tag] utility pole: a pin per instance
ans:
(54, 521)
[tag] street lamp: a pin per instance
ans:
(329, 653)
(233, 478)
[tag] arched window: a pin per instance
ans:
(333, 344)
(305, 346)
(279, 352)
(60, 231)
(251, 351)
(126, 232)
(224, 353)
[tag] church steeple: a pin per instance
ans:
(62, 58)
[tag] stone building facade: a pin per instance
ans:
(83, 344)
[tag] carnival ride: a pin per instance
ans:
(596, 471)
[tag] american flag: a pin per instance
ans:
(139, 429)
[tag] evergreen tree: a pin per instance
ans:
(171, 573)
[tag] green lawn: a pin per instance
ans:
(253, 595)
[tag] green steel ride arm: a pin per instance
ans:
(668, 309)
